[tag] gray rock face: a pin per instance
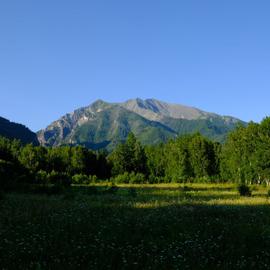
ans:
(153, 109)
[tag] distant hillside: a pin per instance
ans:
(104, 124)
(17, 131)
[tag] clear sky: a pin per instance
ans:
(58, 55)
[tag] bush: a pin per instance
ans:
(136, 178)
(152, 179)
(41, 177)
(132, 178)
(203, 179)
(80, 179)
(58, 178)
(92, 179)
(244, 190)
(122, 178)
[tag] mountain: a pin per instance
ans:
(183, 119)
(156, 110)
(12, 130)
(104, 124)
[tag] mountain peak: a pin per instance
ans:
(99, 105)
(98, 102)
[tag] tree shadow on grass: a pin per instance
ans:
(184, 187)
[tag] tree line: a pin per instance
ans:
(243, 158)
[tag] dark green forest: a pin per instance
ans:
(243, 158)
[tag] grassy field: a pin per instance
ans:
(199, 226)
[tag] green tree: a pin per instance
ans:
(155, 156)
(128, 157)
(33, 158)
(59, 159)
(178, 166)
(202, 156)
(242, 154)
(83, 161)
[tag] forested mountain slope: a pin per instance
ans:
(12, 130)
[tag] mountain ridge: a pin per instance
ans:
(162, 108)
(12, 130)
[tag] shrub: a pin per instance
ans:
(136, 178)
(92, 179)
(244, 190)
(152, 179)
(83, 179)
(203, 179)
(41, 177)
(132, 178)
(122, 178)
(80, 179)
(58, 178)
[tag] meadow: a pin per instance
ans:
(165, 226)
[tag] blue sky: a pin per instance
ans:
(58, 55)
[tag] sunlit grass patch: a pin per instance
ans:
(240, 201)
